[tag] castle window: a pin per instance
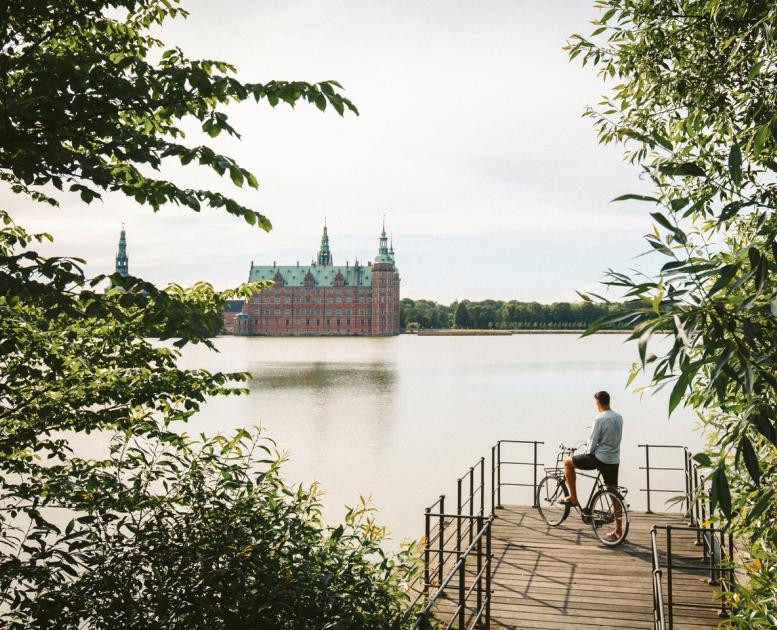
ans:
(339, 300)
(288, 300)
(277, 312)
(277, 300)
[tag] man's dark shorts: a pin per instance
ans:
(589, 462)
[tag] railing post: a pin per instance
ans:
(480, 567)
(696, 504)
(647, 472)
(462, 595)
(534, 486)
(499, 474)
(441, 545)
(458, 520)
(669, 574)
(704, 543)
(471, 500)
(482, 485)
(688, 512)
(493, 469)
(712, 579)
(427, 533)
(489, 566)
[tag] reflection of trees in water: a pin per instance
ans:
(321, 376)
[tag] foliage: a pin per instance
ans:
(505, 315)
(110, 515)
(693, 101)
(91, 102)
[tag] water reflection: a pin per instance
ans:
(377, 377)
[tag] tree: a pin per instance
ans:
(161, 527)
(462, 317)
(693, 102)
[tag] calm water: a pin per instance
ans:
(399, 419)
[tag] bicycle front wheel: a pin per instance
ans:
(549, 492)
(609, 517)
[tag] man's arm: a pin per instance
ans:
(596, 436)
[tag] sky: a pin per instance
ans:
(470, 141)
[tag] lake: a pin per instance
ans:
(400, 418)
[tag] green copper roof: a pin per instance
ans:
(122, 260)
(323, 276)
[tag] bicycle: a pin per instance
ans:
(604, 506)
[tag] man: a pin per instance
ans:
(602, 453)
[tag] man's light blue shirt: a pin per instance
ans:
(605, 440)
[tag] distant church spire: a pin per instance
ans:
(122, 261)
(324, 254)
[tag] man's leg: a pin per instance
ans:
(610, 477)
(571, 476)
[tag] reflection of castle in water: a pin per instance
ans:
(378, 377)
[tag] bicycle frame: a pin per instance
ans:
(598, 484)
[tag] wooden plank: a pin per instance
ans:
(546, 577)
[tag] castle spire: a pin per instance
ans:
(324, 254)
(122, 260)
(383, 251)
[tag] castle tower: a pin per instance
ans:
(122, 261)
(385, 289)
(324, 255)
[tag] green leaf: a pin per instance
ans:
(761, 136)
(751, 460)
(236, 175)
(678, 391)
(726, 274)
(735, 164)
(636, 198)
(703, 459)
(721, 490)
(662, 220)
(686, 169)
(764, 426)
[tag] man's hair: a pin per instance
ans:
(603, 397)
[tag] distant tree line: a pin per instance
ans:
(496, 314)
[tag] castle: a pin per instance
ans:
(322, 298)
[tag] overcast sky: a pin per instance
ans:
(470, 141)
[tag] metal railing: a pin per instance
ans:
(659, 619)
(496, 471)
(718, 563)
(467, 581)
(648, 468)
(442, 529)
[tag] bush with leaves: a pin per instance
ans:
(149, 528)
(693, 99)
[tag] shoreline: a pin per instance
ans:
(474, 332)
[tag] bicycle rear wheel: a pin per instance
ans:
(609, 517)
(549, 492)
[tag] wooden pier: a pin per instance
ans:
(561, 577)
(504, 567)
(558, 577)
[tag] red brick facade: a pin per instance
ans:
(324, 300)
